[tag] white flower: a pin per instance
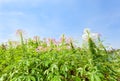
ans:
(87, 34)
(86, 30)
(95, 36)
(85, 37)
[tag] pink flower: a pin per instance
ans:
(63, 38)
(36, 38)
(68, 47)
(39, 48)
(19, 32)
(69, 40)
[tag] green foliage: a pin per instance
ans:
(51, 60)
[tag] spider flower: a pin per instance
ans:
(20, 32)
(86, 31)
(87, 34)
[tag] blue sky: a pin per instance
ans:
(51, 18)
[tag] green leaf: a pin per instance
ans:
(56, 78)
(76, 78)
(97, 78)
(92, 77)
(32, 78)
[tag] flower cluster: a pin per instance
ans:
(87, 34)
(52, 44)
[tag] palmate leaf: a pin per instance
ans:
(97, 78)
(30, 78)
(3, 77)
(56, 78)
(76, 78)
(54, 68)
(94, 77)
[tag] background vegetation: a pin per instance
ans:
(50, 60)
